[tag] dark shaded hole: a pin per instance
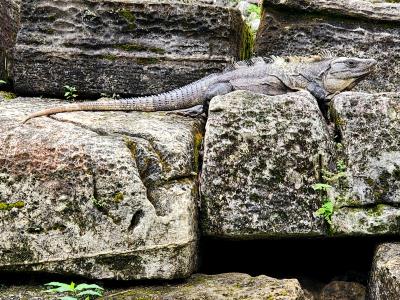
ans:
(136, 219)
(314, 262)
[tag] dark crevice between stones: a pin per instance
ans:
(314, 262)
(95, 130)
(373, 206)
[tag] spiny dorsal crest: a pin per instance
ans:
(280, 60)
(297, 59)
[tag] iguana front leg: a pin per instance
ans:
(321, 95)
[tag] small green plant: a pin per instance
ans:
(2, 82)
(75, 292)
(341, 166)
(70, 92)
(326, 211)
(254, 8)
(98, 203)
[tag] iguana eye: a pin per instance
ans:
(351, 64)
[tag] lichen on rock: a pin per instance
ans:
(262, 155)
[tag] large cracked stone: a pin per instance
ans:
(103, 195)
(361, 28)
(123, 47)
(9, 24)
(384, 282)
(262, 155)
(367, 199)
(228, 286)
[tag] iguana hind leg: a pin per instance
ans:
(216, 90)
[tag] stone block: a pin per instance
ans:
(368, 130)
(360, 28)
(262, 154)
(226, 286)
(104, 195)
(384, 283)
(122, 47)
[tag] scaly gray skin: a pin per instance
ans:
(323, 77)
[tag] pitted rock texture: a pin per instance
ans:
(384, 283)
(9, 25)
(228, 286)
(103, 195)
(368, 200)
(337, 290)
(262, 155)
(360, 28)
(122, 47)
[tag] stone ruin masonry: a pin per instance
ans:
(127, 183)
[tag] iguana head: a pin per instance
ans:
(344, 73)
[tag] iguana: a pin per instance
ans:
(323, 76)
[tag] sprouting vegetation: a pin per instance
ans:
(327, 209)
(70, 92)
(71, 291)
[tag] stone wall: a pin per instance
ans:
(118, 47)
(9, 25)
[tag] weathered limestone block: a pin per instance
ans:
(103, 195)
(262, 155)
(343, 290)
(9, 24)
(124, 47)
(361, 28)
(228, 286)
(367, 200)
(384, 283)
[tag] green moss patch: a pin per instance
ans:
(129, 18)
(118, 197)
(9, 206)
(7, 95)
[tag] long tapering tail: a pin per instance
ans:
(142, 104)
(181, 98)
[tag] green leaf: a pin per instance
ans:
(328, 206)
(89, 292)
(55, 283)
(84, 286)
(60, 289)
(321, 187)
(68, 298)
(3, 82)
(72, 286)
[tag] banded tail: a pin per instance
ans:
(181, 98)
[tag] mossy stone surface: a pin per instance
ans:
(262, 155)
(369, 129)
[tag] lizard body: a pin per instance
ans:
(322, 76)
